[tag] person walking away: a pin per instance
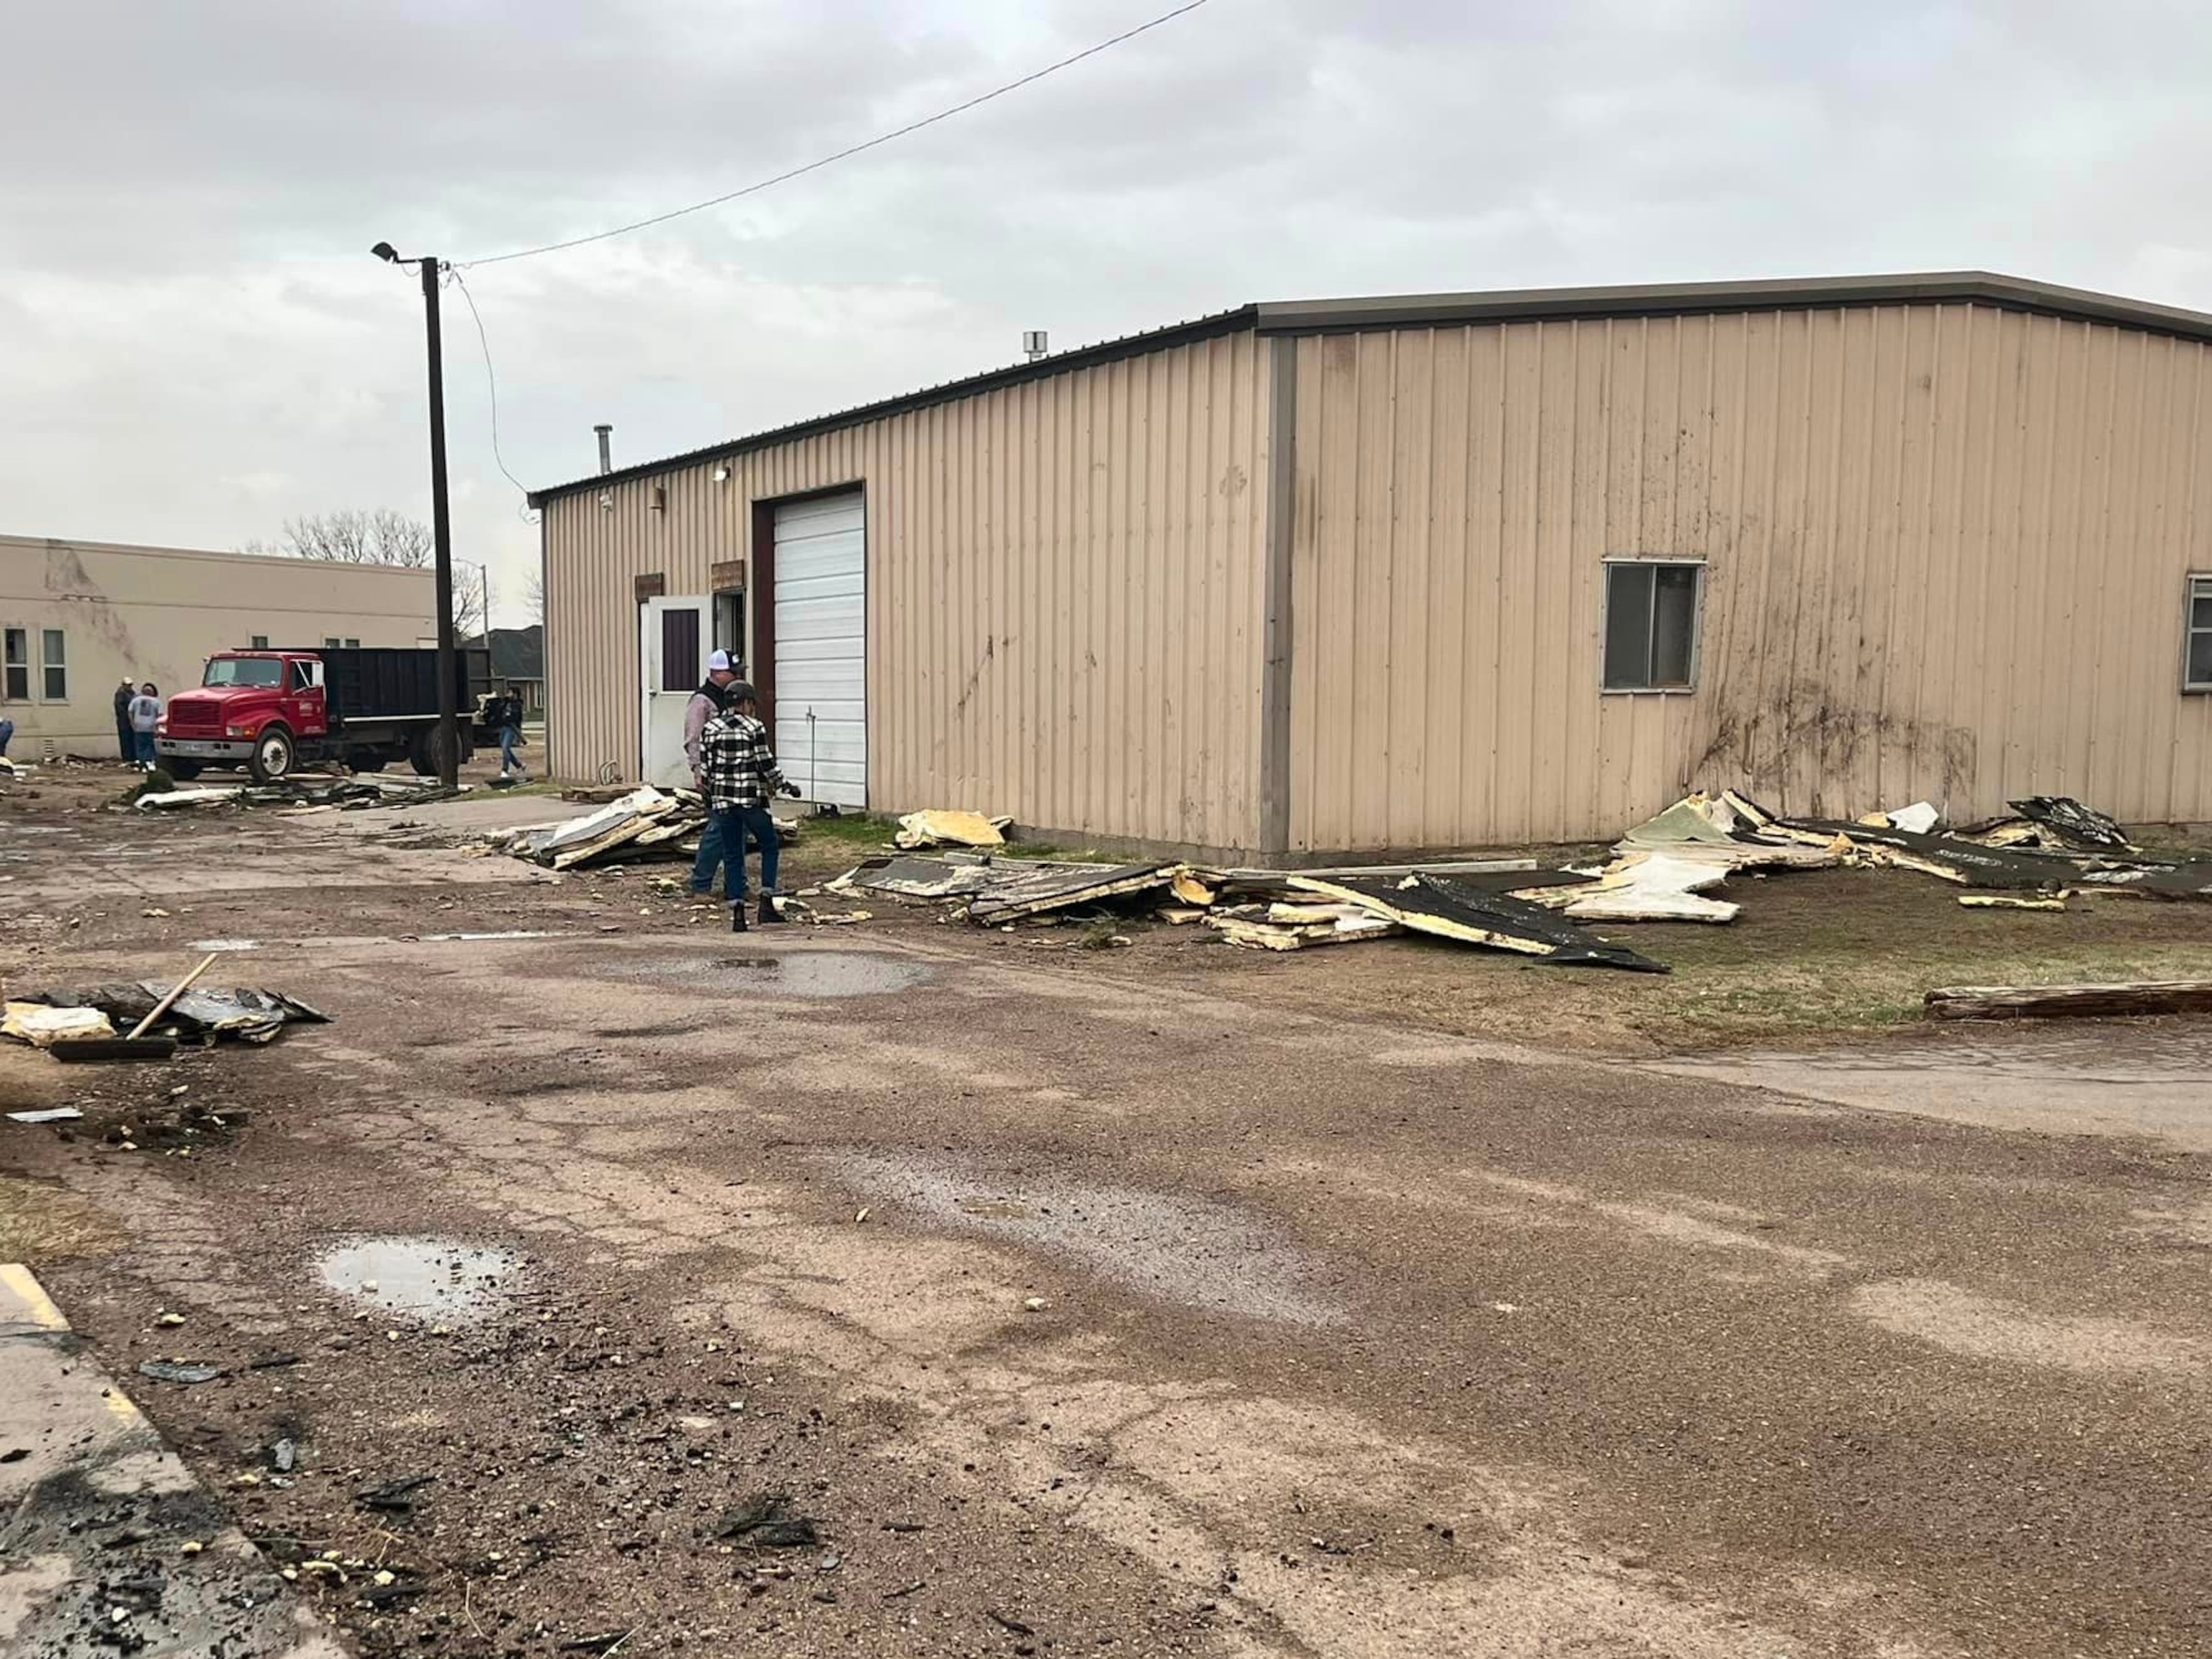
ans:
(510, 733)
(126, 740)
(145, 713)
(741, 777)
(706, 702)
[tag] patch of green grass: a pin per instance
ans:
(861, 830)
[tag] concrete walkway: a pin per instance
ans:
(109, 1545)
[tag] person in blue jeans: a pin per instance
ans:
(708, 700)
(145, 716)
(510, 735)
(739, 776)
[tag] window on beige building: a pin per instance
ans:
(53, 659)
(1652, 608)
(17, 685)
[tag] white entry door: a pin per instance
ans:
(671, 648)
(821, 647)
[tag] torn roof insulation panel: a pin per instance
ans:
(2071, 821)
(1445, 907)
(1052, 889)
(1949, 857)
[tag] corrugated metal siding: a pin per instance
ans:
(1064, 592)
(1945, 547)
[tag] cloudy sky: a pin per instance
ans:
(196, 344)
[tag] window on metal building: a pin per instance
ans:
(2197, 670)
(1652, 608)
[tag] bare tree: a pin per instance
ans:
(534, 597)
(472, 601)
(382, 535)
(351, 536)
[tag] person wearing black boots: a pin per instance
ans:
(738, 776)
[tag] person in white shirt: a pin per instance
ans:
(145, 715)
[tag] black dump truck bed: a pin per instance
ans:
(382, 682)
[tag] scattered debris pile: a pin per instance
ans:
(1667, 869)
(645, 823)
(160, 793)
(2055, 845)
(59, 1018)
(1482, 902)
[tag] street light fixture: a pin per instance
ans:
(449, 736)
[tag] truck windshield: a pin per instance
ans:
(244, 670)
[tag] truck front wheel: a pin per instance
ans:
(273, 754)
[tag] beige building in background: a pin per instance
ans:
(1452, 570)
(78, 616)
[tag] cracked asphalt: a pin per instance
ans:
(1092, 1306)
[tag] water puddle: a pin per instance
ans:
(438, 1279)
(1191, 1251)
(804, 974)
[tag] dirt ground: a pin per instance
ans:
(1390, 1300)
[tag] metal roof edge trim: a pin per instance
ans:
(1090, 356)
(1432, 310)
(1666, 299)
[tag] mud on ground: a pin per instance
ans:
(1352, 1333)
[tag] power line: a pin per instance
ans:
(850, 150)
(491, 383)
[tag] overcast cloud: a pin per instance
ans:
(196, 344)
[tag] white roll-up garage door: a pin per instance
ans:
(821, 647)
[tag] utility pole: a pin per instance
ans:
(448, 744)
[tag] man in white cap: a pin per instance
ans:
(706, 702)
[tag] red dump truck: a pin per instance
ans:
(274, 712)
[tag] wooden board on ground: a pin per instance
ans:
(2172, 996)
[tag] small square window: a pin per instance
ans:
(17, 688)
(330, 642)
(259, 643)
(53, 658)
(1651, 625)
(2197, 662)
(352, 645)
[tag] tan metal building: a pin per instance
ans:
(75, 618)
(1452, 570)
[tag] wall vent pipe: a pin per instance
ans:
(606, 446)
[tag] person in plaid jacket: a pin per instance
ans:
(739, 775)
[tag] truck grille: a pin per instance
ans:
(195, 717)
